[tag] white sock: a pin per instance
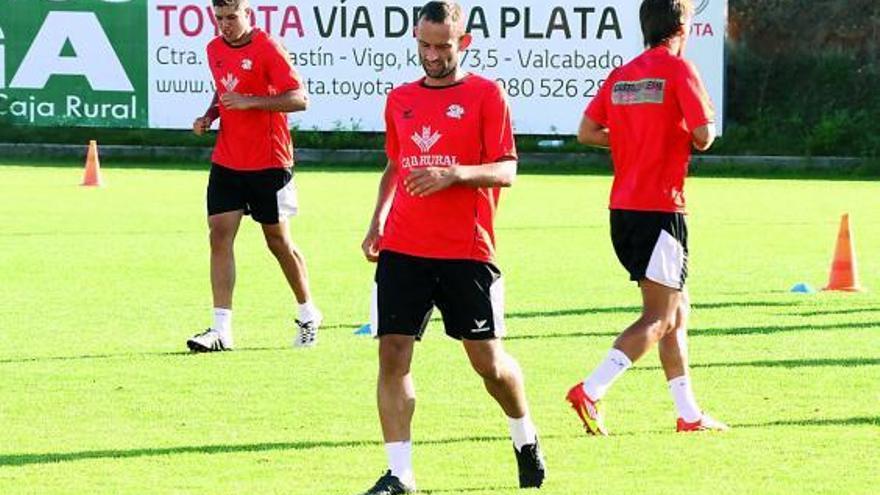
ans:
(223, 325)
(222, 321)
(308, 312)
(522, 431)
(400, 462)
(604, 375)
(683, 396)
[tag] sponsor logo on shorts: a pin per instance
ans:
(481, 326)
(638, 92)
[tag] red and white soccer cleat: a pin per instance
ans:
(706, 423)
(588, 410)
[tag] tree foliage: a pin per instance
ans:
(803, 77)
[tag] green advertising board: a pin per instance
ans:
(73, 62)
(143, 64)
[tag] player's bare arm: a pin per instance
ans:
(704, 136)
(387, 187)
(429, 180)
(203, 123)
(295, 100)
(592, 134)
(499, 174)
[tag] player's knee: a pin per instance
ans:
(681, 318)
(679, 325)
(221, 238)
(394, 360)
(668, 325)
(277, 244)
(488, 368)
(393, 366)
(658, 325)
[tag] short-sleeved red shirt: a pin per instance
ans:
(651, 106)
(252, 139)
(465, 124)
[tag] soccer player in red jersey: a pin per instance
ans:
(252, 164)
(450, 148)
(651, 112)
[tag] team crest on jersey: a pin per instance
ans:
(229, 81)
(455, 111)
(247, 64)
(427, 139)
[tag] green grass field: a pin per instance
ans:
(101, 287)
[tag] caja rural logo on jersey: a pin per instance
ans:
(425, 140)
(60, 66)
(229, 81)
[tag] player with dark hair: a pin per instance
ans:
(450, 147)
(252, 165)
(651, 112)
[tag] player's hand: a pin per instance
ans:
(201, 125)
(236, 101)
(370, 246)
(429, 180)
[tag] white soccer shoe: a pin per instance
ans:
(307, 332)
(209, 341)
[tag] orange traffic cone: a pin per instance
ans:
(92, 173)
(844, 271)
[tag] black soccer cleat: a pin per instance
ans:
(530, 462)
(388, 485)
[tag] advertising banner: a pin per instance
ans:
(138, 63)
(73, 63)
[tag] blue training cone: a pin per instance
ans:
(803, 288)
(363, 330)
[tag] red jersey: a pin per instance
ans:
(650, 107)
(252, 139)
(467, 123)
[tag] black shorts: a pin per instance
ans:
(469, 295)
(268, 195)
(651, 245)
